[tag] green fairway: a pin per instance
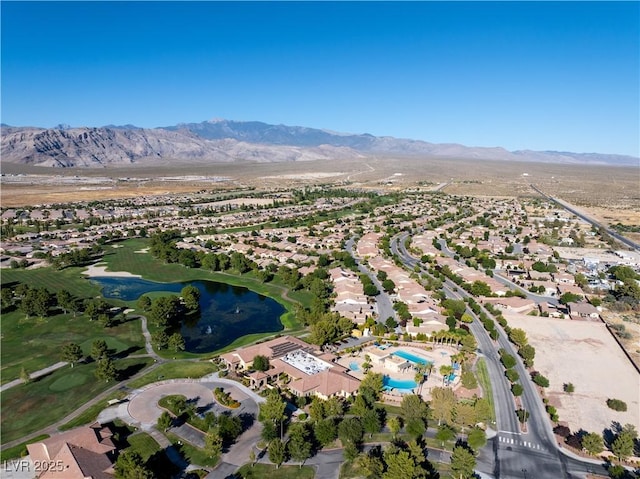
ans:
(70, 279)
(175, 370)
(35, 344)
(91, 414)
(31, 407)
(68, 381)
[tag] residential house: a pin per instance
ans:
(83, 453)
(582, 311)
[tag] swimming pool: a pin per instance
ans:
(411, 357)
(406, 386)
(354, 366)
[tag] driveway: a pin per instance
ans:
(143, 407)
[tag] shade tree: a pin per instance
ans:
(72, 353)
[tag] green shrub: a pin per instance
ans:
(517, 389)
(541, 381)
(512, 375)
(617, 404)
(469, 380)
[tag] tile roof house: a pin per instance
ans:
(583, 310)
(311, 374)
(513, 303)
(82, 453)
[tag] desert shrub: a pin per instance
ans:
(617, 404)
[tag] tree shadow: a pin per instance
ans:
(609, 434)
(124, 353)
(575, 440)
(161, 466)
(130, 371)
(247, 420)
(201, 410)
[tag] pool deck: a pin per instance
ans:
(439, 355)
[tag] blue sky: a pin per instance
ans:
(523, 75)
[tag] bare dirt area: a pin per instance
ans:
(631, 323)
(615, 199)
(585, 354)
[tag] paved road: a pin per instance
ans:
(497, 275)
(511, 453)
(34, 375)
(142, 411)
(569, 207)
(385, 305)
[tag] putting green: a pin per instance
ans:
(68, 381)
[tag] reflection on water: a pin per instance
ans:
(226, 312)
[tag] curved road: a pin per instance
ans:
(512, 453)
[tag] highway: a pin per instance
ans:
(512, 453)
(568, 207)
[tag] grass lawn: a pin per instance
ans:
(70, 279)
(44, 401)
(485, 384)
(270, 471)
(166, 402)
(175, 370)
(20, 450)
(151, 453)
(36, 343)
(191, 454)
(143, 444)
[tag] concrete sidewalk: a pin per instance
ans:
(34, 375)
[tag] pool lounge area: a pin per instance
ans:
(411, 357)
(397, 363)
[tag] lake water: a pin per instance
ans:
(226, 312)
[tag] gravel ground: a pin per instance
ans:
(583, 353)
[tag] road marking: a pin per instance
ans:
(509, 440)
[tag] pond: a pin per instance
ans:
(226, 312)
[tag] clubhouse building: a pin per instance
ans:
(311, 373)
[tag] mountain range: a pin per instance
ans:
(218, 141)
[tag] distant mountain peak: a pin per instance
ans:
(221, 140)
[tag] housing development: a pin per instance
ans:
(341, 330)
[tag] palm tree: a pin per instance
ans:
(446, 371)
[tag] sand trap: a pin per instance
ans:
(97, 271)
(143, 250)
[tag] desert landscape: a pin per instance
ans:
(592, 361)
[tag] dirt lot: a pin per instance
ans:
(631, 323)
(583, 353)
